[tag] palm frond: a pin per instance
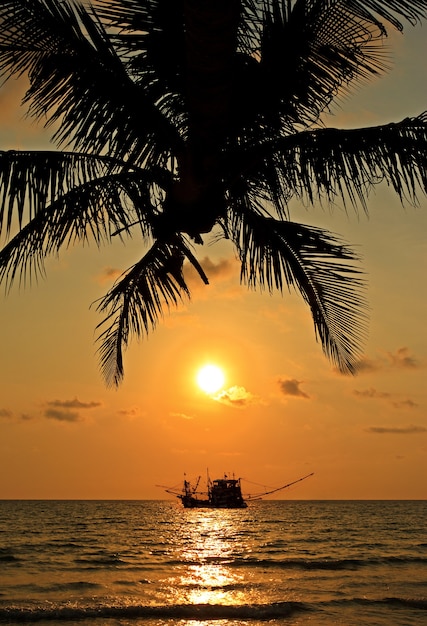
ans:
(392, 11)
(77, 79)
(136, 302)
(278, 254)
(309, 52)
(68, 197)
(32, 180)
(327, 163)
(142, 32)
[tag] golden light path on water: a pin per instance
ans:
(211, 540)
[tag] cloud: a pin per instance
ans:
(62, 416)
(403, 359)
(235, 396)
(405, 404)
(224, 268)
(72, 404)
(372, 393)
(221, 270)
(397, 430)
(109, 274)
(60, 409)
(368, 365)
(183, 416)
(5, 413)
(132, 412)
(291, 387)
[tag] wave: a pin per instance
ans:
(412, 603)
(103, 560)
(78, 585)
(270, 611)
(326, 563)
(8, 557)
(392, 602)
(260, 612)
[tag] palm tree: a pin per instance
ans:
(173, 118)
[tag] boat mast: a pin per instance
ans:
(208, 482)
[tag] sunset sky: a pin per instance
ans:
(283, 411)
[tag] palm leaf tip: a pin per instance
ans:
(275, 254)
(341, 322)
(111, 351)
(336, 295)
(139, 299)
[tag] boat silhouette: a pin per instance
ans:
(221, 493)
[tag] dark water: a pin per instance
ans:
(153, 563)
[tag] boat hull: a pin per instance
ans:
(195, 503)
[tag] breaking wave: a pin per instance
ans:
(276, 610)
(249, 612)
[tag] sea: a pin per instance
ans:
(152, 563)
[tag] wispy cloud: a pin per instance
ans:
(62, 416)
(183, 416)
(108, 275)
(292, 387)
(375, 394)
(72, 404)
(366, 365)
(402, 358)
(61, 410)
(222, 269)
(405, 404)
(236, 396)
(217, 272)
(131, 412)
(6, 414)
(411, 429)
(372, 393)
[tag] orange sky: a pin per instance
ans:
(284, 411)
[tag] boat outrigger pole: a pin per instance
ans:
(266, 493)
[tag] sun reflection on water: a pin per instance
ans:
(210, 541)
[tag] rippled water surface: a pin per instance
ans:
(153, 563)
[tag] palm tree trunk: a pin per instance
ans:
(211, 41)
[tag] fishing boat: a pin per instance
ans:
(222, 493)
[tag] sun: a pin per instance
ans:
(210, 378)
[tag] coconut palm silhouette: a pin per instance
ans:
(175, 118)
